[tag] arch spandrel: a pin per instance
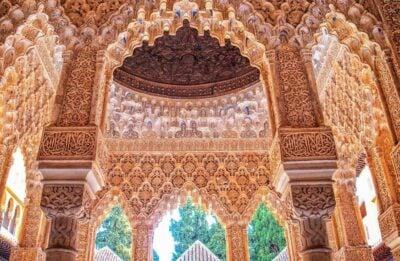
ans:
(167, 178)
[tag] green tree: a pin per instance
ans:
(193, 226)
(115, 232)
(266, 236)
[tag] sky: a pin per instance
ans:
(163, 241)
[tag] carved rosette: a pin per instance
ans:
(68, 144)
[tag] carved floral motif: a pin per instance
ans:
(62, 199)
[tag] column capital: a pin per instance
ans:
(312, 205)
(67, 200)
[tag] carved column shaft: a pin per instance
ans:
(237, 243)
(142, 242)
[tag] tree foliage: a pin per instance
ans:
(266, 236)
(115, 232)
(193, 226)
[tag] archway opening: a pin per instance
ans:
(266, 236)
(368, 204)
(114, 236)
(13, 204)
(189, 232)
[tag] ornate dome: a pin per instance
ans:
(186, 65)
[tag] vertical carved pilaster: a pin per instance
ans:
(33, 227)
(78, 92)
(64, 205)
(276, 99)
(294, 242)
(237, 244)
(294, 88)
(387, 84)
(142, 242)
(391, 22)
(384, 191)
(306, 54)
(313, 205)
(355, 247)
(395, 157)
(86, 239)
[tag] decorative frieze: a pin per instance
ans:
(307, 144)
(68, 143)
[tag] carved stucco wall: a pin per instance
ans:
(132, 115)
(301, 14)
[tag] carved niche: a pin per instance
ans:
(175, 62)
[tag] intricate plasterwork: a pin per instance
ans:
(237, 242)
(61, 143)
(294, 88)
(62, 199)
(312, 205)
(225, 182)
(307, 144)
(78, 92)
(132, 115)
